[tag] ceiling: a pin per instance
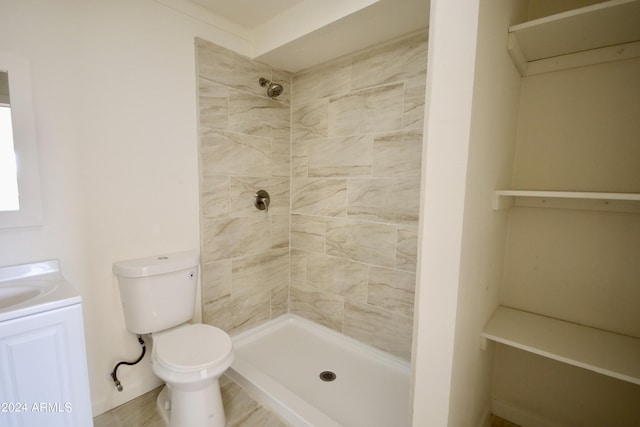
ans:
(293, 35)
(247, 13)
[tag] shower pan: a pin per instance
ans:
(321, 370)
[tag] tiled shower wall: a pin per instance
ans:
(355, 190)
(342, 166)
(244, 147)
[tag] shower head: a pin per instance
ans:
(273, 89)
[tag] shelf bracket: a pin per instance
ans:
(517, 55)
(501, 202)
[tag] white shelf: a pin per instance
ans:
(617, 202)
(599, 26)
(600, 351)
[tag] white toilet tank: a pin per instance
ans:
(158, 292)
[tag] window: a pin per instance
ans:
(9, 199)
(20, 204)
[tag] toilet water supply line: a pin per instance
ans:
(114, 373)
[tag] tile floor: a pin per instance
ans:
(240, 408)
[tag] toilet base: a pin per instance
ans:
(163, 403)
(201, 408)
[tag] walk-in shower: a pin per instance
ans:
(273, 89)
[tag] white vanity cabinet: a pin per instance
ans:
(43, 367)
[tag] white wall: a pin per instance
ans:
(450, 74)
(472, 117)
(494, 120)
(115, 110)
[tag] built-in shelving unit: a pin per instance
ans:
(574, 263)
(601, 351)
(604, 352)
(617, 202)
(602, 32)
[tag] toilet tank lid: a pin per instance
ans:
(159, 264)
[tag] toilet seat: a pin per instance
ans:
(192, 348)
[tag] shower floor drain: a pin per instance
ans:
(327, 376)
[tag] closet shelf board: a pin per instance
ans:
(600, 351)
(504, 198)
(602, 25)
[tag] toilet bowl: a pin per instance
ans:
(190, 359)
(158, 298)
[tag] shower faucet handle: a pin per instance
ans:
(262, 200)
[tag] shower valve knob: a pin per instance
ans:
(262, 200)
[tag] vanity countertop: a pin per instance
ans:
(34, 288)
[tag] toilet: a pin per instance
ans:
(158, 297)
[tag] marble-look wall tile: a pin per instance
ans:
(366, 242)
(299, 159)
(237, 314)
(252, 115)
(394, 201)
(398, 154)
(281, 157)
(338, 275)
(324, 81)
(407, 249)
(350, 151)
(216, 281)
(243, 190)
(228, 154)
(266, 270)
(279, 231)
(350, 156)
(367, 132)
(244, 147)
(280, 300)
(310, 120)
(319, 306)
(392, 62)
(298, 266)
(414, 101)
(235, 237)
(308, 233)
(391, 289)
(214, 197)
(321, 197)
(388, 330)
(224, 66)
(379, 109)
(213, 101)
